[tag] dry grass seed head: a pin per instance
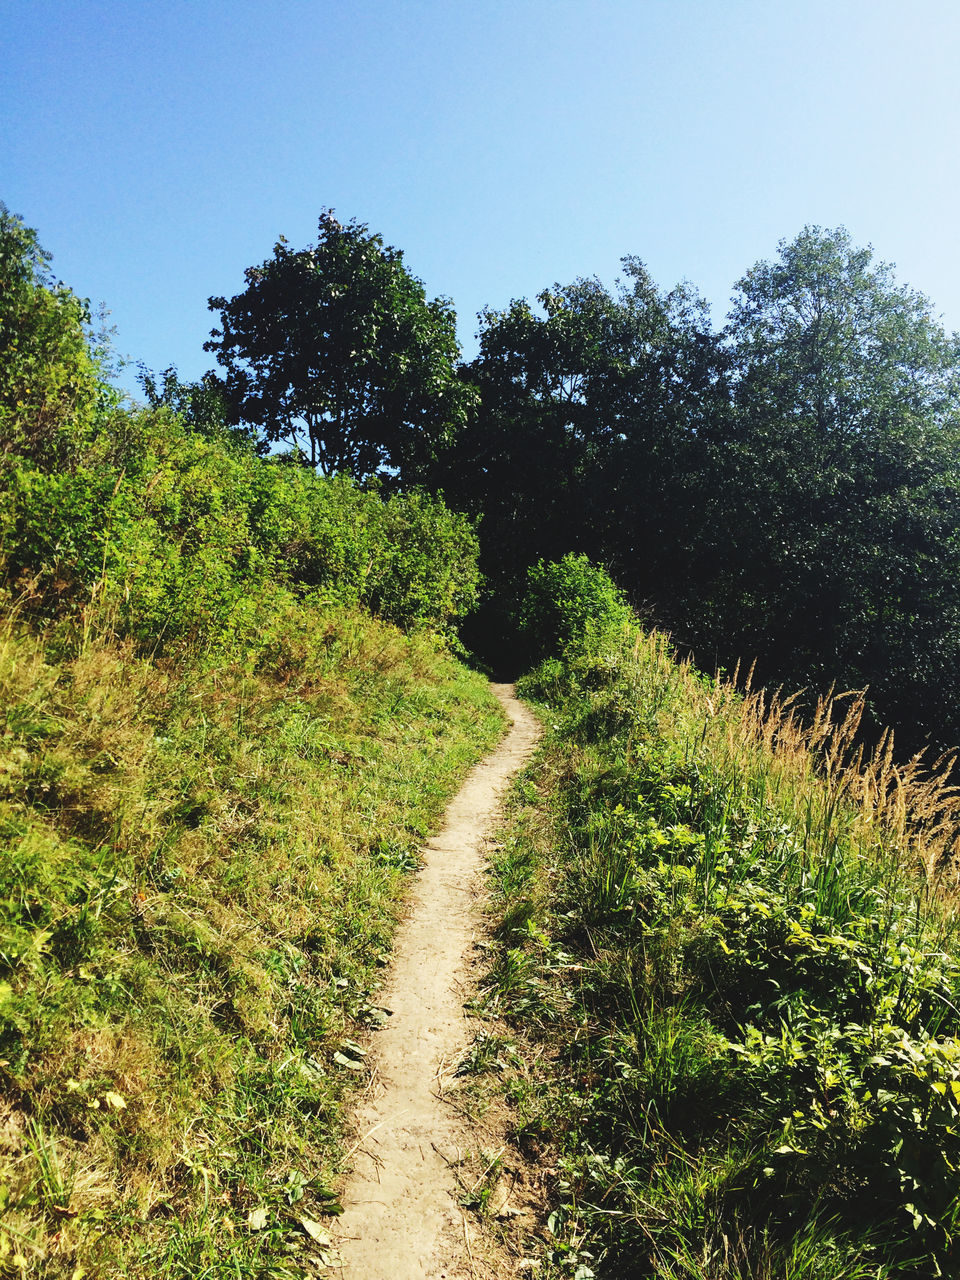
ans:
(911, 810)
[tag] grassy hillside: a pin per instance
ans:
(202, 868)
(728, 949)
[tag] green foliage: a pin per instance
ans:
(50, 384)
(201, 406)
(567, 603)
(337, 346)
(836, 492)
(748, 993)
(786, 489)
(407, 557)
(590, 422)
(180, 539)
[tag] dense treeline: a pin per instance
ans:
(785, 489)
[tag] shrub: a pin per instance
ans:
(178, 538)
(407, 558)
(565, 602)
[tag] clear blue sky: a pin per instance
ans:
(161, 146)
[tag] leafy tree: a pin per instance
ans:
(589, 426)
(51, 387)
(201, 406)
(839, 525)
(335, 349)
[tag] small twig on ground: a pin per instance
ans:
(360, 1141)
(466, 1241)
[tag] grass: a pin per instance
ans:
(202, 867)
(727, 953)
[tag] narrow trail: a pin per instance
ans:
(401, 1219)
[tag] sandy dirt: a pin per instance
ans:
(401, 1217)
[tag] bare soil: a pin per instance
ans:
(402, 1219)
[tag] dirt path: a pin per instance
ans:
(401, 1219)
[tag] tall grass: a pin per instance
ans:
(731, 933)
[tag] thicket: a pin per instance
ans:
(180, 534)
(728, 941)
(564, 601)
(216, 768)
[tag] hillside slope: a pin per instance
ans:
(728, 950)
(228, 718)
(202, 869)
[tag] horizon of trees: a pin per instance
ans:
(784, 488)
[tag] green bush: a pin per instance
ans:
(161, 538)
(407, 558)
(565, 602)
(426, 570)
(182, 541)
(51, 388)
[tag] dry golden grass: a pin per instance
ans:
(813, 764)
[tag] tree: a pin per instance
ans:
(591, 412)
(201, 406)
(51, 384)
(335, 349)
(839, 523)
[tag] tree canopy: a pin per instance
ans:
(839, 474)
(786, 489)
(591, 405)
(575, 393)
(335, 350)
(51, 383)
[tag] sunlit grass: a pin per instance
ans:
(202, 867)
(727, 943)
